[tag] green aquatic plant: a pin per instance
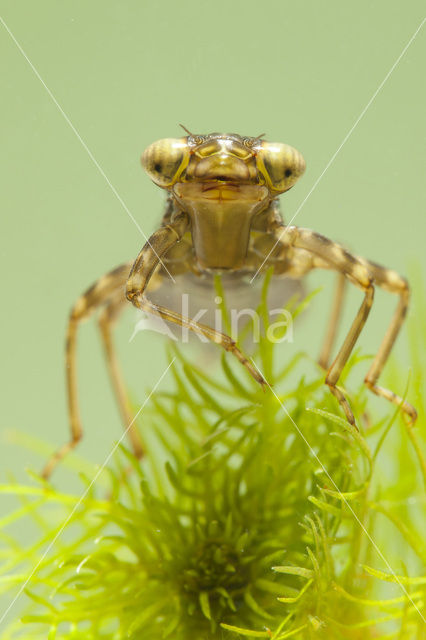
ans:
(253, 514)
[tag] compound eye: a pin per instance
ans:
(282, 165)
(165, 160)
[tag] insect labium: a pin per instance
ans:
(222, 216)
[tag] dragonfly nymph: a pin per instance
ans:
(222, 216)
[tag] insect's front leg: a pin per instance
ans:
(362, 273)
(327, 254)
(146, 263)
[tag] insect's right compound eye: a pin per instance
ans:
(165, 160)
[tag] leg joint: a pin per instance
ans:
(133, 294)
(130, 294)
(76, 437)
(369, 292)
(330, 380)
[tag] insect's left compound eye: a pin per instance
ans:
(280, 164)
(165, 160)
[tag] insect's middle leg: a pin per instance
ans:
(336, 311)
(107, 320)
(107, 288)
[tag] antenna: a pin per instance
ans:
(187, 130)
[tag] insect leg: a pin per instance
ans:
(393, 282)
(107, 320)
(98, 294)
(328, 254)
(336, 368)
(219, 338)
(146, 262)
(336, 311)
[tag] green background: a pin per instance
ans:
(125, 74)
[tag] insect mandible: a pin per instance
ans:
(222, 216)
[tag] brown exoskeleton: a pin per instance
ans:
(222, 215)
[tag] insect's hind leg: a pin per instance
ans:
(394, 283)
(97, 295)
